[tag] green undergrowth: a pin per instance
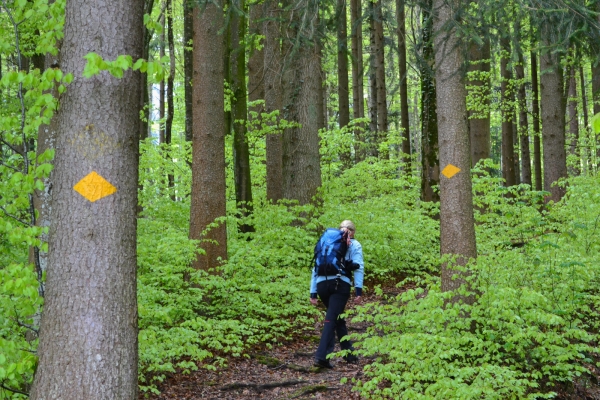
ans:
(533, 327)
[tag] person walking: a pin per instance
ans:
(334, 292)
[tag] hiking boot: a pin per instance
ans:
(351, 358)
(323, 364)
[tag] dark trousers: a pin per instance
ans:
(334, 294)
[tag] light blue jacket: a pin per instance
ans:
(355, 254)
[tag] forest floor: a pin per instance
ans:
(286, 371)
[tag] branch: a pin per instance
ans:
(11, 147)
(13, 217)
(13, 390)
(9, 166)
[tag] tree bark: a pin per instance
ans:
(239, 110)
(584, 105)
(574, 170)
(382, 114)
(208, 155)
(358, 102)
(535, 107)
(429, 123)
(372, 100)
(170, 86)
(273, 98)
(404, 121)
(88, 337)
(523, 122)
(457, 225)
(188, 66)
(479, 128)
(301, 159)
(553, 121)
(256, 60)
(508, 152)
(161, 96)
(342, 70)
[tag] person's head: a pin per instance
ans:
(349, 226)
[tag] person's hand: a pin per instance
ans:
(314, 301)
(358, 299)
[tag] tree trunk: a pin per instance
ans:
(404, 121)
(429, 122)
(479, 128)
(508, 152)
(535, 108)
(553, 121)
(575, 169)
(303, 91)
(457, 225)
(170, 102)
(273, 98)
(382, 114)
(208, 155)
(358, 102)
(256, 60)
(342, 69)
(239, 110)
(88, 339)
(188, 66)
(523, 122)
(161, 97)
(584, 105)
(372, 103)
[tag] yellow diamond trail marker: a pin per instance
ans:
(94, 187)
(450, 170)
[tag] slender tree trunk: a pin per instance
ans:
(188, 66)
(508, 152)
(342, 69)
(161, 97)
(273, 97)
(523, 122)
(404, 121)
(584, 106)
(358, 102)
(574, 170)
(88, 338)
(301, 159)
(170, 84)
(457, 225)
(429, 122)
(479, 128)
(144, 92)
(239, 110)
(553, 121)
(208, 156)
(256, 60)
(535, 107)
(372, 103)
(382, 114)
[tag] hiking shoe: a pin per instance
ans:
(323, 364)
(351, 358)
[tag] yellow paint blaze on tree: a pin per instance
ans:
(94, 187)
(450, 170)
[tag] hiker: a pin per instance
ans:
(334, 292)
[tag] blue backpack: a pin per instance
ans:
(330, 251)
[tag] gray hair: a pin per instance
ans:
(348, 225)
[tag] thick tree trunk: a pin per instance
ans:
(372, 100)
(256, 60)
(273, 98)
(88, 338)
(535, 109)
(429, 122)
(208, 156)
(239, 110)
(575, 169)
(342, 69)
(508, 152)
(301, 159)
(188, 66)
(161, 96)
(479, 128)
(457, 225)
(358, 102)
(523, 122)
(404, 121)
(382, 114)
(553, 122)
